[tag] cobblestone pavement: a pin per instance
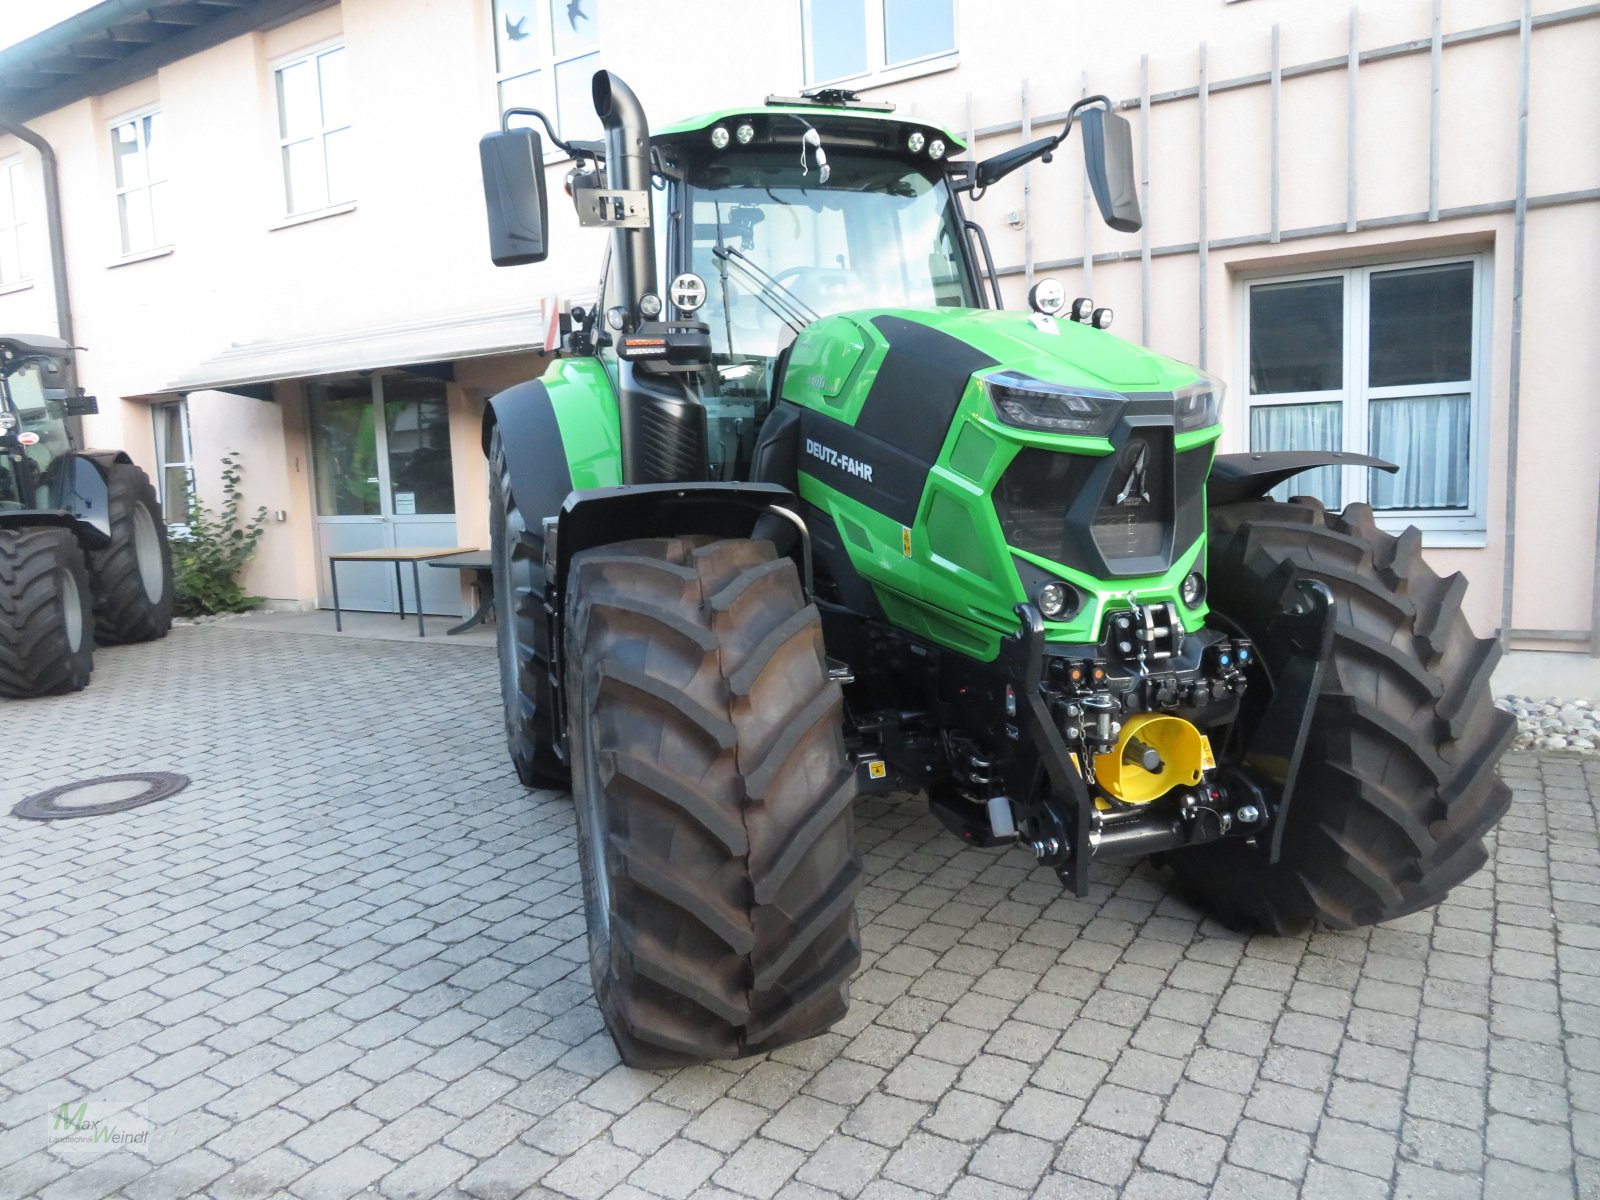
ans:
(350, 958)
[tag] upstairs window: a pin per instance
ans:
(13, 203)
(314, 136)
(545, 54)
(138, 160)
(848, 39)
(1384, 360)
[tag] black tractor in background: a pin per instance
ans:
(83, 547)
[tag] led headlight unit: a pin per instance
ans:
(1197, 406)
(1027, 403)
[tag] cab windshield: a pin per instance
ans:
(778, 249)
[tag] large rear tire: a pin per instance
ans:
(713, 800)
(132, 577)
(46, 618)
(1397, 785)
(520, 630)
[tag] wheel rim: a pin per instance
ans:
(147, 552)
(72, 602)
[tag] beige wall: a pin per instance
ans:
(413, 248)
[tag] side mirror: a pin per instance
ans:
(1108, 158)
(513, 193)
(83, 406)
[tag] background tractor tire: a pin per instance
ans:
(1397, 785)
(131, 579)
(517, 552)
(713, 800)
(46, 617)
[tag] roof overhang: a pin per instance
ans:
(118, 42)
(251, 368)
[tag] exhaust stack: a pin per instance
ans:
(627, 169)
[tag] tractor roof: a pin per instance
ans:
(18, 345)
(830, 112)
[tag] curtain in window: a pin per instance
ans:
(1430, 438)
(1301, 427)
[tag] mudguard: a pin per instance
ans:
(1238, 477)
(535, 454)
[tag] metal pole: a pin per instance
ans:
(1144, 199)
(1088, 224)
(1350, 151)
(1027, 194)
(1519, 230)
(52, 219)
(1277, 107)
(1437, 53)
(1204, 243)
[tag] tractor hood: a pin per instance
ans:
(1061, 351)
(833, 358)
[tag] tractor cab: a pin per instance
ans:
(35, 402)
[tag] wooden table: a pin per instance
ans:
(478, 562)
(396, 556)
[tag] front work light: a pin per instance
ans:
(1027, 403)
(915, 142)
(1058, 601)
(745, 133)
(936, 149)
(719, 137)
(1193, 589)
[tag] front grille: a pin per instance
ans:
(1111, 516)
(1135, 511)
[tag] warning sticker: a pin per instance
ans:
(876, 769)
(1208, 760)
(905, 541)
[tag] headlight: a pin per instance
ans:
(1198, 405)
(1029, 403)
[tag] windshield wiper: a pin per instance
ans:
(789, 308)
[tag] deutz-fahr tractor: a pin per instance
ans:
(821, 518)
(83, 549)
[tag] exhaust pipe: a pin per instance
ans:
(633, 255)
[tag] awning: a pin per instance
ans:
(249, 367)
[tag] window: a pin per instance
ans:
(1384, 360)
(545, 53)
(845, 39)
(174, 470)
(139, 161)
(314, 132)
(13, 264)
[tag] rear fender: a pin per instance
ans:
(1239, 477)
(79, 497)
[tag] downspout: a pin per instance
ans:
(52, 217)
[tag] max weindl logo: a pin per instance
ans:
(95, 1125)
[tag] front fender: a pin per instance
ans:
(1239, 477)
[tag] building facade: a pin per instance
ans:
(1378, 225)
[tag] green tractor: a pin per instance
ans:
(83, 549)
(820, 518)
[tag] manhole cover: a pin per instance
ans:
(96, 797)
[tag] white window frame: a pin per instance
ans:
(136, 119)
(321, 135)
(1456, 528)
(12, 177)
(548, 64)
(879, 70)
(157, 416)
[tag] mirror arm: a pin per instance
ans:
(505, 126)
(995, 168)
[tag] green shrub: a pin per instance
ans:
(210, 553)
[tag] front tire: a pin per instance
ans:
(713, 801)
(520, 623)
(46, 617)
(132, 577)
(1397, 785)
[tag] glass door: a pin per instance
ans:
(384, 479)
